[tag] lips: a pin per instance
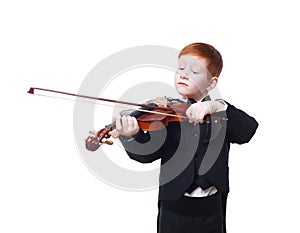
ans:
(181, 83)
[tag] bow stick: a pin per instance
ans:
(32, 89)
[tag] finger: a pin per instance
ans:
(196, 112)
(205, 110)
(118, 125)
(194, 115)
(135, 124)
(188, 113)
(133, 127)
(130, 123)
(124, 122)
(114, 119)
(200, 117)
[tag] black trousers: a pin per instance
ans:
(192, 215)
(224, 204)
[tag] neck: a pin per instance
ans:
(200, 98)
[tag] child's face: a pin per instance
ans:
(191, 78)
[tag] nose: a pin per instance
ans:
(183, 76)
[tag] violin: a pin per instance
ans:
(152, 116)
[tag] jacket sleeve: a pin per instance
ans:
(240, 126)
(142, 147)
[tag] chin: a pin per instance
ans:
(182, 91)
(183, 94)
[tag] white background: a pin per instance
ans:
(45, 187)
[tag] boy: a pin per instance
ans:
(191, 200)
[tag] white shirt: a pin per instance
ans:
(199, 192)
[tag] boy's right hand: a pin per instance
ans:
(127, 126)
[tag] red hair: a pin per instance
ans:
(213, 58)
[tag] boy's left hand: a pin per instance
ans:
(197, 111)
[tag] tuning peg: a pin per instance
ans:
(93, 132)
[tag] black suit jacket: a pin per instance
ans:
(192, 153)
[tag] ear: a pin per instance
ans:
(212, 84)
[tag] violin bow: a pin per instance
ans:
(32, 91)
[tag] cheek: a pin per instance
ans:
(197, 85)
(198, 79)
(176, 77)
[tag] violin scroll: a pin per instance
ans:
(92, 143)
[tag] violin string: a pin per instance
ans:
(160, 113)
(110, 105)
